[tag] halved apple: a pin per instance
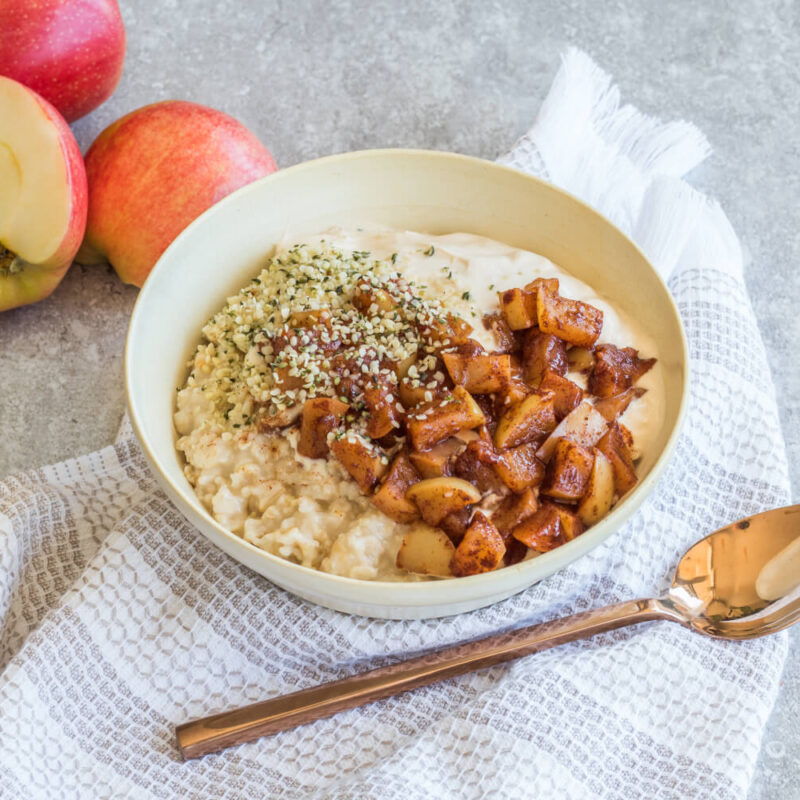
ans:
(43, 196)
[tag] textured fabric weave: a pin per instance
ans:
(118, 620)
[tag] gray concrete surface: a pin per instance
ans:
(313, 78)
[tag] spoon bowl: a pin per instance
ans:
(741, 581)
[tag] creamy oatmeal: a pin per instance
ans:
(328, 397)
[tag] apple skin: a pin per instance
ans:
(69, 51)
(36, 281)
(157, 169)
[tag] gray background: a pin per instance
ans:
(312, 79)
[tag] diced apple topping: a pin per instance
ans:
(584, 426)
(391, 494)
(320, 416)
(438, 461)
(567, 395)
(371, 300)
(518, 308)
(616, 369)
(282, 418)
(310, 318)
(365, 462)
(542, 530)
(550, 284)
(426, 551)
(436, 498)
(456, 523)
(475, 464)
(504, 336)
(542, 353)
(519, 468)
(530, 419)
(384, 416)
(515, 390)
(447, 330)
(599, 496)
(568, 471)
(312, 327)
(514, 509)
(580, 359)
(433, 423)
(614, 447)
(615, 406)
(571, 523)
(423, 382)
(573, 321)
(481, 550)
(479, 374)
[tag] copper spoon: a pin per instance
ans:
(740, 582)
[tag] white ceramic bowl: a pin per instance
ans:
(416, 190)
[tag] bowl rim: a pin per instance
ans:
(384, 593)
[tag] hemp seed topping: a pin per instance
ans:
(321, 321)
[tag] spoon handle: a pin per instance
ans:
(229, 728)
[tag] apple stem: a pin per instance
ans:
(10, 263)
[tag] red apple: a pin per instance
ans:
(69, 51)
(154, 171)
(43, 197)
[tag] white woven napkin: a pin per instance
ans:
(118, 620)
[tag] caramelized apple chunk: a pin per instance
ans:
(426, 551)
(584, 426)
(281, 418)
(541, 353)
(614, 447)
(474, 464)
(438, 461)
(287, 379)
(518, 308)
(307, 327)
(430, 424)
(616, 405)
(381, 405)
(599, 497)
(580, 359)
(436, 498)
(365, 462)
(320, 416)
(616, 369)
(423, 383)
(480, 373)
(390, 496)
(444, 331)
(373, 300)
(310, 318)
(550, 284)
(574, 321)
(530, 419)
(456, 523)
(567, 395)
(481, 550)
(504, 337)
(515, 390)
(568, 471)
(514, 509)
(541, 531)
(571, 523)
(519, 468)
